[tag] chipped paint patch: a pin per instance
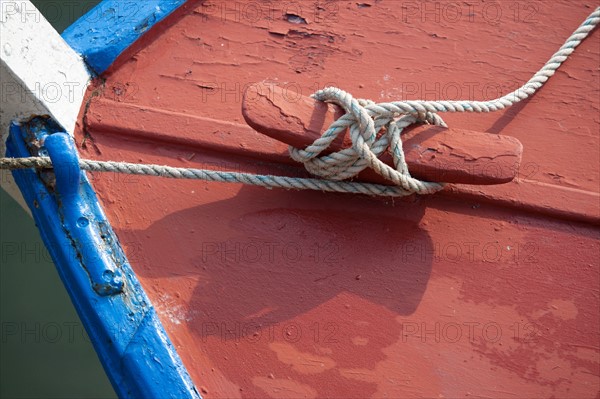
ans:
(563, 309)
(284, 388)
(301, 362)
(169, 307)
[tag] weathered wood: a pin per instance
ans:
(41, 75)
(432, 153)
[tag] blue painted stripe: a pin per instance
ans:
(123, 326)
(108, 29)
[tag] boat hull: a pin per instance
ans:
(475, 291)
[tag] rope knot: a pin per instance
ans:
(374, 128)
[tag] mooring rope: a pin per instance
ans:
(364, 119)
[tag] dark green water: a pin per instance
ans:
(44, 350)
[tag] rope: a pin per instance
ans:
(364, 119)
(209, 175)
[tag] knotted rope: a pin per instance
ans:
(364, 119)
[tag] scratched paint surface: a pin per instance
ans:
(301, 294)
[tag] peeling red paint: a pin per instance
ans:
(270, 293)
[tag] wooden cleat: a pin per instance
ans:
(433, 153)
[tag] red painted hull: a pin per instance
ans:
(478, 291)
